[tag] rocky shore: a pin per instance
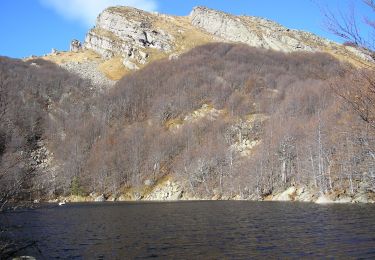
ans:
(170, 190)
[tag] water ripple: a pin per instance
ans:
(198, 230)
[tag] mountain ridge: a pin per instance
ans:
(125, 39)
(171, 107)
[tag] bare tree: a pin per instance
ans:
(348, 25)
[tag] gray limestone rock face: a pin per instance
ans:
(253, 31)
(132, 33)
(127, 32)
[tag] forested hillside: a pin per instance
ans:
(33, 96)
(222, 119)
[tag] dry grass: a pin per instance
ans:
(64, 57)
(113, 68)
(346, 56)
(186, 37)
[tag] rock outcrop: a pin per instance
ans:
(126, 32)
(169, 191)
(304, 194)
(75, 46)
(134, 34)
(254, 31)
(100, 198)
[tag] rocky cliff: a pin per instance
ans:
(137, 35)
(127, 32)
(256, 32)
(125, 39)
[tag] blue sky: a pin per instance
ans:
(36, 26)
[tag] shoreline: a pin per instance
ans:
(288, 195)
(171, 190)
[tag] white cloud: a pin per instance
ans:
(86, 11)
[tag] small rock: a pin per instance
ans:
(130, 65)
(143, 55)
(174, 56)
(149, 182)
(54, 51)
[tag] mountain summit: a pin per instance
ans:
(139, 36)
(214, 106)
(125, 39)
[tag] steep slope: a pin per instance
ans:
(216, 107)
(132, 34)
(125, 39)
(37, 103)
(214, 124)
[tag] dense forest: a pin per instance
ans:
(222, 118)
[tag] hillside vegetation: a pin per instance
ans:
(222, 119)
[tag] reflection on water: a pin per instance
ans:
(198, 230)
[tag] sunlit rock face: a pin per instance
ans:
(127, 31)
(133, 34)
(254, 31)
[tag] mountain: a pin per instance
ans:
(208, 106)
(125, 39)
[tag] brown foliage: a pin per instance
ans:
(120, 139)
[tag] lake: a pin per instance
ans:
(196, 230)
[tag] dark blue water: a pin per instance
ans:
(197, 230)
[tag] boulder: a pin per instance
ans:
(149, 182)
(287, 195)
(130, 65)
(75, 46)
(361, 198)
(175, 196)
(100, 198)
